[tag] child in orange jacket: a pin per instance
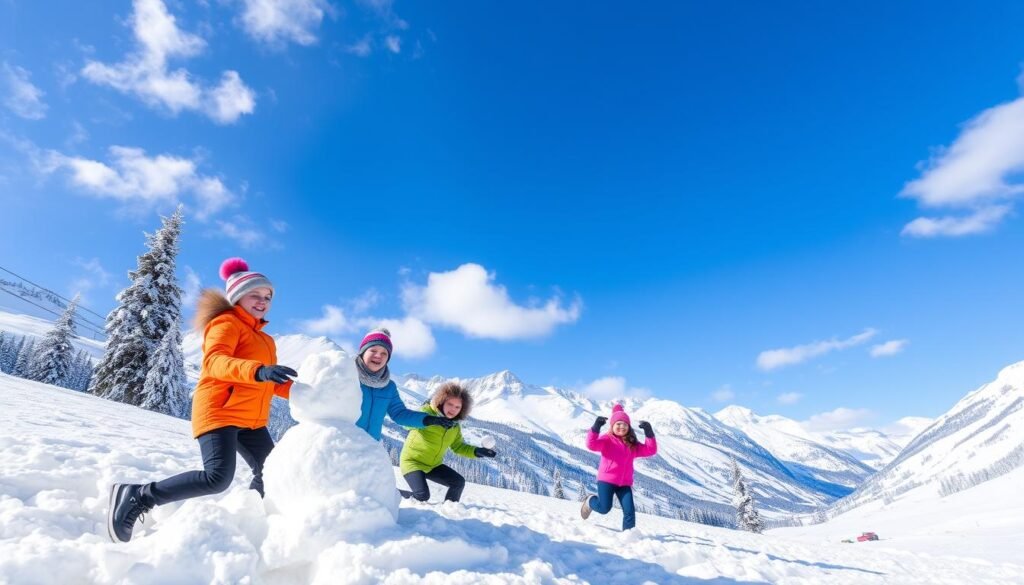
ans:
(231, 404)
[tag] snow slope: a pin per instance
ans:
(984, 521)
(61, 449)
(983, 432)
(19, 324)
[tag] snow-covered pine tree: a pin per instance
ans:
(5, 349)
(10, 354)
(166, 389)
(26, 356)
(54, 354)
(81, 372)
(557, 490)
(145, 312)
(747, 517)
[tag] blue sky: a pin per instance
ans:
(721, 203)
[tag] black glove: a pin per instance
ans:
(276, 374)
(484, 452)
(430, 420)
(598, 423)
(646, 426)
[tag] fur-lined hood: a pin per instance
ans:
(452, 390)
(211, 303)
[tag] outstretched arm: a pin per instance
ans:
(401, 414)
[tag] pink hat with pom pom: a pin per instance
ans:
(618, 413)
(239, 280)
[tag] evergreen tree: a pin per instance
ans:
(6, 343)
(55, 353)
(747, 517)
(145, 312)
(166, 389)
(26, 356)
(9, 359)
(81, 372)
(557, 490)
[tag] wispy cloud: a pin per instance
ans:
(190, 292)
(723, 394)
(278, 22)
(19, 94)
(411, 337)
(777, 358)
(131, 176)
(393, 43)
(612, 387)
(841, 418)
(240, 230)
(980, 172)
(789, 397)
(468, 300)
(889, 348)
(91, 275)
(983, 220)
(146, 74)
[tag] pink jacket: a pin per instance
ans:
(617, 458)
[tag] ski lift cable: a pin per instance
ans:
(91, 330)
(78, 318)
(49, 291)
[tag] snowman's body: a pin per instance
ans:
(327, 478)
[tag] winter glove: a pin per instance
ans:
(484, 452)
(276, 374)
(648, 431)
(598, 423)
(441, 421)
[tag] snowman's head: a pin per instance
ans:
(327, 390)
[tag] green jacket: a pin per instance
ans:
(424, 448)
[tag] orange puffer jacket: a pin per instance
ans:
(234, 346)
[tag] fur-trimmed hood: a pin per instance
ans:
(211, 303)
(452, 390)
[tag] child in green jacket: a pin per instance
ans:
(424, 448)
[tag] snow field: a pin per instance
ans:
(60, 450)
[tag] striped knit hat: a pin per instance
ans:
(379, 336)
(619, 413)
(239, 280)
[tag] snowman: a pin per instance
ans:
(326, 480)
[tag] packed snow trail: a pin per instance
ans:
(60, 450)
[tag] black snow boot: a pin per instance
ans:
(128, 502)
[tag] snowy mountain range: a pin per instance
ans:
(980, 438)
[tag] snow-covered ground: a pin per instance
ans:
(60, 450)
(985, 521)
(19, 324)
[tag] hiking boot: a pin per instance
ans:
(127, 504)
(585, 509)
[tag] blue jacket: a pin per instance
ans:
(380, 401)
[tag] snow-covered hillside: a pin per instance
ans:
(982, 436)
(19, 324)
(799, 449)
(61, 450)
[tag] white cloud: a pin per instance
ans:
(411, 337)
(789, 397)
(839, 419)
(393, 43)
(365, 301)
(240, 231)
(777, 358)
(277, 22)
(889, 348)
(362, 48)
(279, 226)
(190, 292)
(145, 71)
(467, 299)
(612, 387)
(19, 95)
(92, 275)
(723, 394)
(981, 167)
(333, 321)
(981, 221)
(132, 176)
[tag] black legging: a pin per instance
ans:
(441, 474)
(218, 448)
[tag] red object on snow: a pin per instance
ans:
(866, 536)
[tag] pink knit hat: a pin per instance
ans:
(619, 414)
(238, 279)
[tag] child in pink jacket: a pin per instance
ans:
(618, 449)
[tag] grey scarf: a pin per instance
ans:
(368, 378)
